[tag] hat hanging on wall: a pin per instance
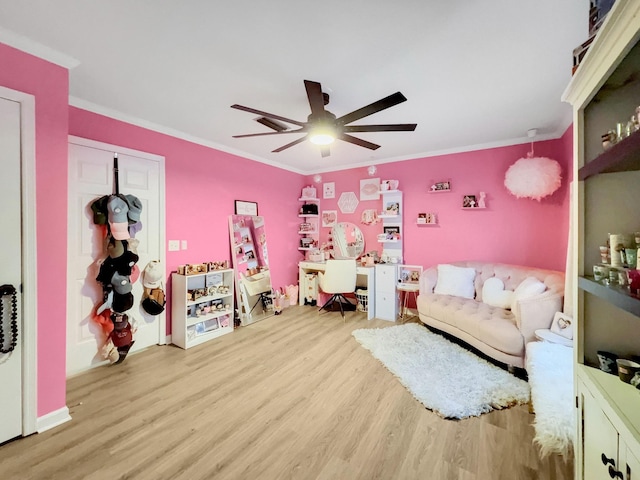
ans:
(533, 177)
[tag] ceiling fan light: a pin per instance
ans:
(321, 138)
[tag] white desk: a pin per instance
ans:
(366, 278)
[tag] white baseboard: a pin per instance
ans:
(167, 340)
(52, 419)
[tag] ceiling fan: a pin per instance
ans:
(323, 127)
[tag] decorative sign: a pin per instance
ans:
(348, 202)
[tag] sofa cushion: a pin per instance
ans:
(530, 287)
(494, 294)
(457, 281)
(494, 326)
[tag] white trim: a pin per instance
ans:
(116, 115)
(85, 142)
(29, 258)
(39, 50)
(139, 122)
(53, 419)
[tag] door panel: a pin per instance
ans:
(10, 272)
(90, 177)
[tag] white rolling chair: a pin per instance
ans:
(338, 278)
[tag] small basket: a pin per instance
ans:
(362, 295)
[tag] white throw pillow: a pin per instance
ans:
(456, 281)
(494, 294)
(530, 287)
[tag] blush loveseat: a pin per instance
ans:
(501, 332)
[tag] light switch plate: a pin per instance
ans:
(183, 244)
(174, 245)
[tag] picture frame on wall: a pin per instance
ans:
(244, 207)
(329, 190)
(329, 218)
(469, 201)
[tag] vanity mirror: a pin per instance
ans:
(251, 264)
(348, 241)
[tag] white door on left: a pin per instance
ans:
(91, 175)
(10, 271)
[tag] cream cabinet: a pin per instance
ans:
(386, 297)
(201, 307)
(605, 92)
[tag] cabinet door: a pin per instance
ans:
(386, 278)
(600, 441)
(632, 467)
(386, 306)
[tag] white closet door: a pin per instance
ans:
(90, 177)
(11, 267)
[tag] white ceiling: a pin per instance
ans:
(476, 73)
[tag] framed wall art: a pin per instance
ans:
(243, 207)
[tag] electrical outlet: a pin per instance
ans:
(184, 244)
(174, 245)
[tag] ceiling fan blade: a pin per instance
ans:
(325, 152)
(266, 114)
(358, 141)
(372, 108)
(316, 99)
(263, 134)
(395, 127)
(284, 147)
(272, 124)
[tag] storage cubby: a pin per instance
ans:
(201, 307)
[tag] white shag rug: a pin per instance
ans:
(550, 370)
(443, 376)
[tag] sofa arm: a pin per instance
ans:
(536, 312)
(428, 280)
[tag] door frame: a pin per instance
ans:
(85, 142)
(29, 259)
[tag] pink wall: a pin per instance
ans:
(201, 186)
(510, 230)
(48, 83)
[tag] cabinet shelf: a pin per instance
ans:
(623, 156)
(186, 331)
(617, 296)
(208, 298)
(209, 316)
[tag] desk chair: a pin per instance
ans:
(338, 278)
(408, 283)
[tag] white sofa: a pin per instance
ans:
(500, 333)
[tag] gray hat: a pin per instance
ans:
(135, 208)
(121, 283)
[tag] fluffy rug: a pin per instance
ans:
(550, 369)
(443, 376)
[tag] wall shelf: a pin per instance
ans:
(473, 208)
(311, 200)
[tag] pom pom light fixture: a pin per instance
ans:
(533, 177)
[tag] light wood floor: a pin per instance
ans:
(292, 396)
